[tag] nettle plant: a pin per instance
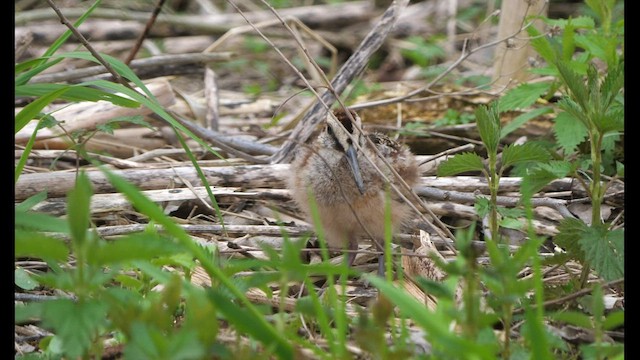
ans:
(584, 60)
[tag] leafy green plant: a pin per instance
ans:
(454, 117)
(501, 278)
(590, 111)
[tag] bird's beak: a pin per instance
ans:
(352, 159)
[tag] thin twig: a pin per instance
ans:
(575, 295)
(88, 46)
(145, 32)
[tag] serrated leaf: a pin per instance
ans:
(40, 246)
(580, 22)
(75, 323)
(574, 110)
(612, 121)
(570, 231)
(523, 96)
(23, 280)
(482, 206)
(569, 132)
(559, 168)
(604, 249)
(488, 122)
(541, 44)
(460, 163)
(534, 181)
(522, 119)
(515, 154)
(575, 85)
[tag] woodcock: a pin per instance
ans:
(346, 187)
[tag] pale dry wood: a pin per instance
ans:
(511, 64)
(122, 143)
(270, 230)
(88, 115)
(142, 67)
(129, 24)
(247, 176)
(113, 202)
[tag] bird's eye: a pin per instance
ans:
(329, 130)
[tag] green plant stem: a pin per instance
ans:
(494, 183)
(597, 194)
(507, 310)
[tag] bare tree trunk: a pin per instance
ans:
(512, 56)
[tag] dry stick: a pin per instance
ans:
(349, 70)
(212, 99)
(88, 46)
(576, 294)
(145, 32)
(465, 53)
(136, 65)
(223, 142)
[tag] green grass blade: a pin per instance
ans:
(32, 110)
(434, 325)
(155, 213)
(43, 63)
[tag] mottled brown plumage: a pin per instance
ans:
(332, 162)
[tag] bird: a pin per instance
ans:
(347, 189)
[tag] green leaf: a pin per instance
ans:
(523, 96)
(23, 280)
(571, 230)
(515, 154)
(604, 249)
(580, 22)
(78, 209)
(245, 322)
(522, 119)
(488, 122)
(573, 317)
(511, 223)
(534, 181)
(482, 206)
(30, 111)
(75, 93)
(536, 336)
(76, 324)
(614, 320)
(575, 84)
(138, 246)
(460, 163)
(40, 246)
(433, 323)
(435, 288)
(41, 222)
(569, 132)
(43, 64)
(542, 45)
(27, 312)
(32, 201)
